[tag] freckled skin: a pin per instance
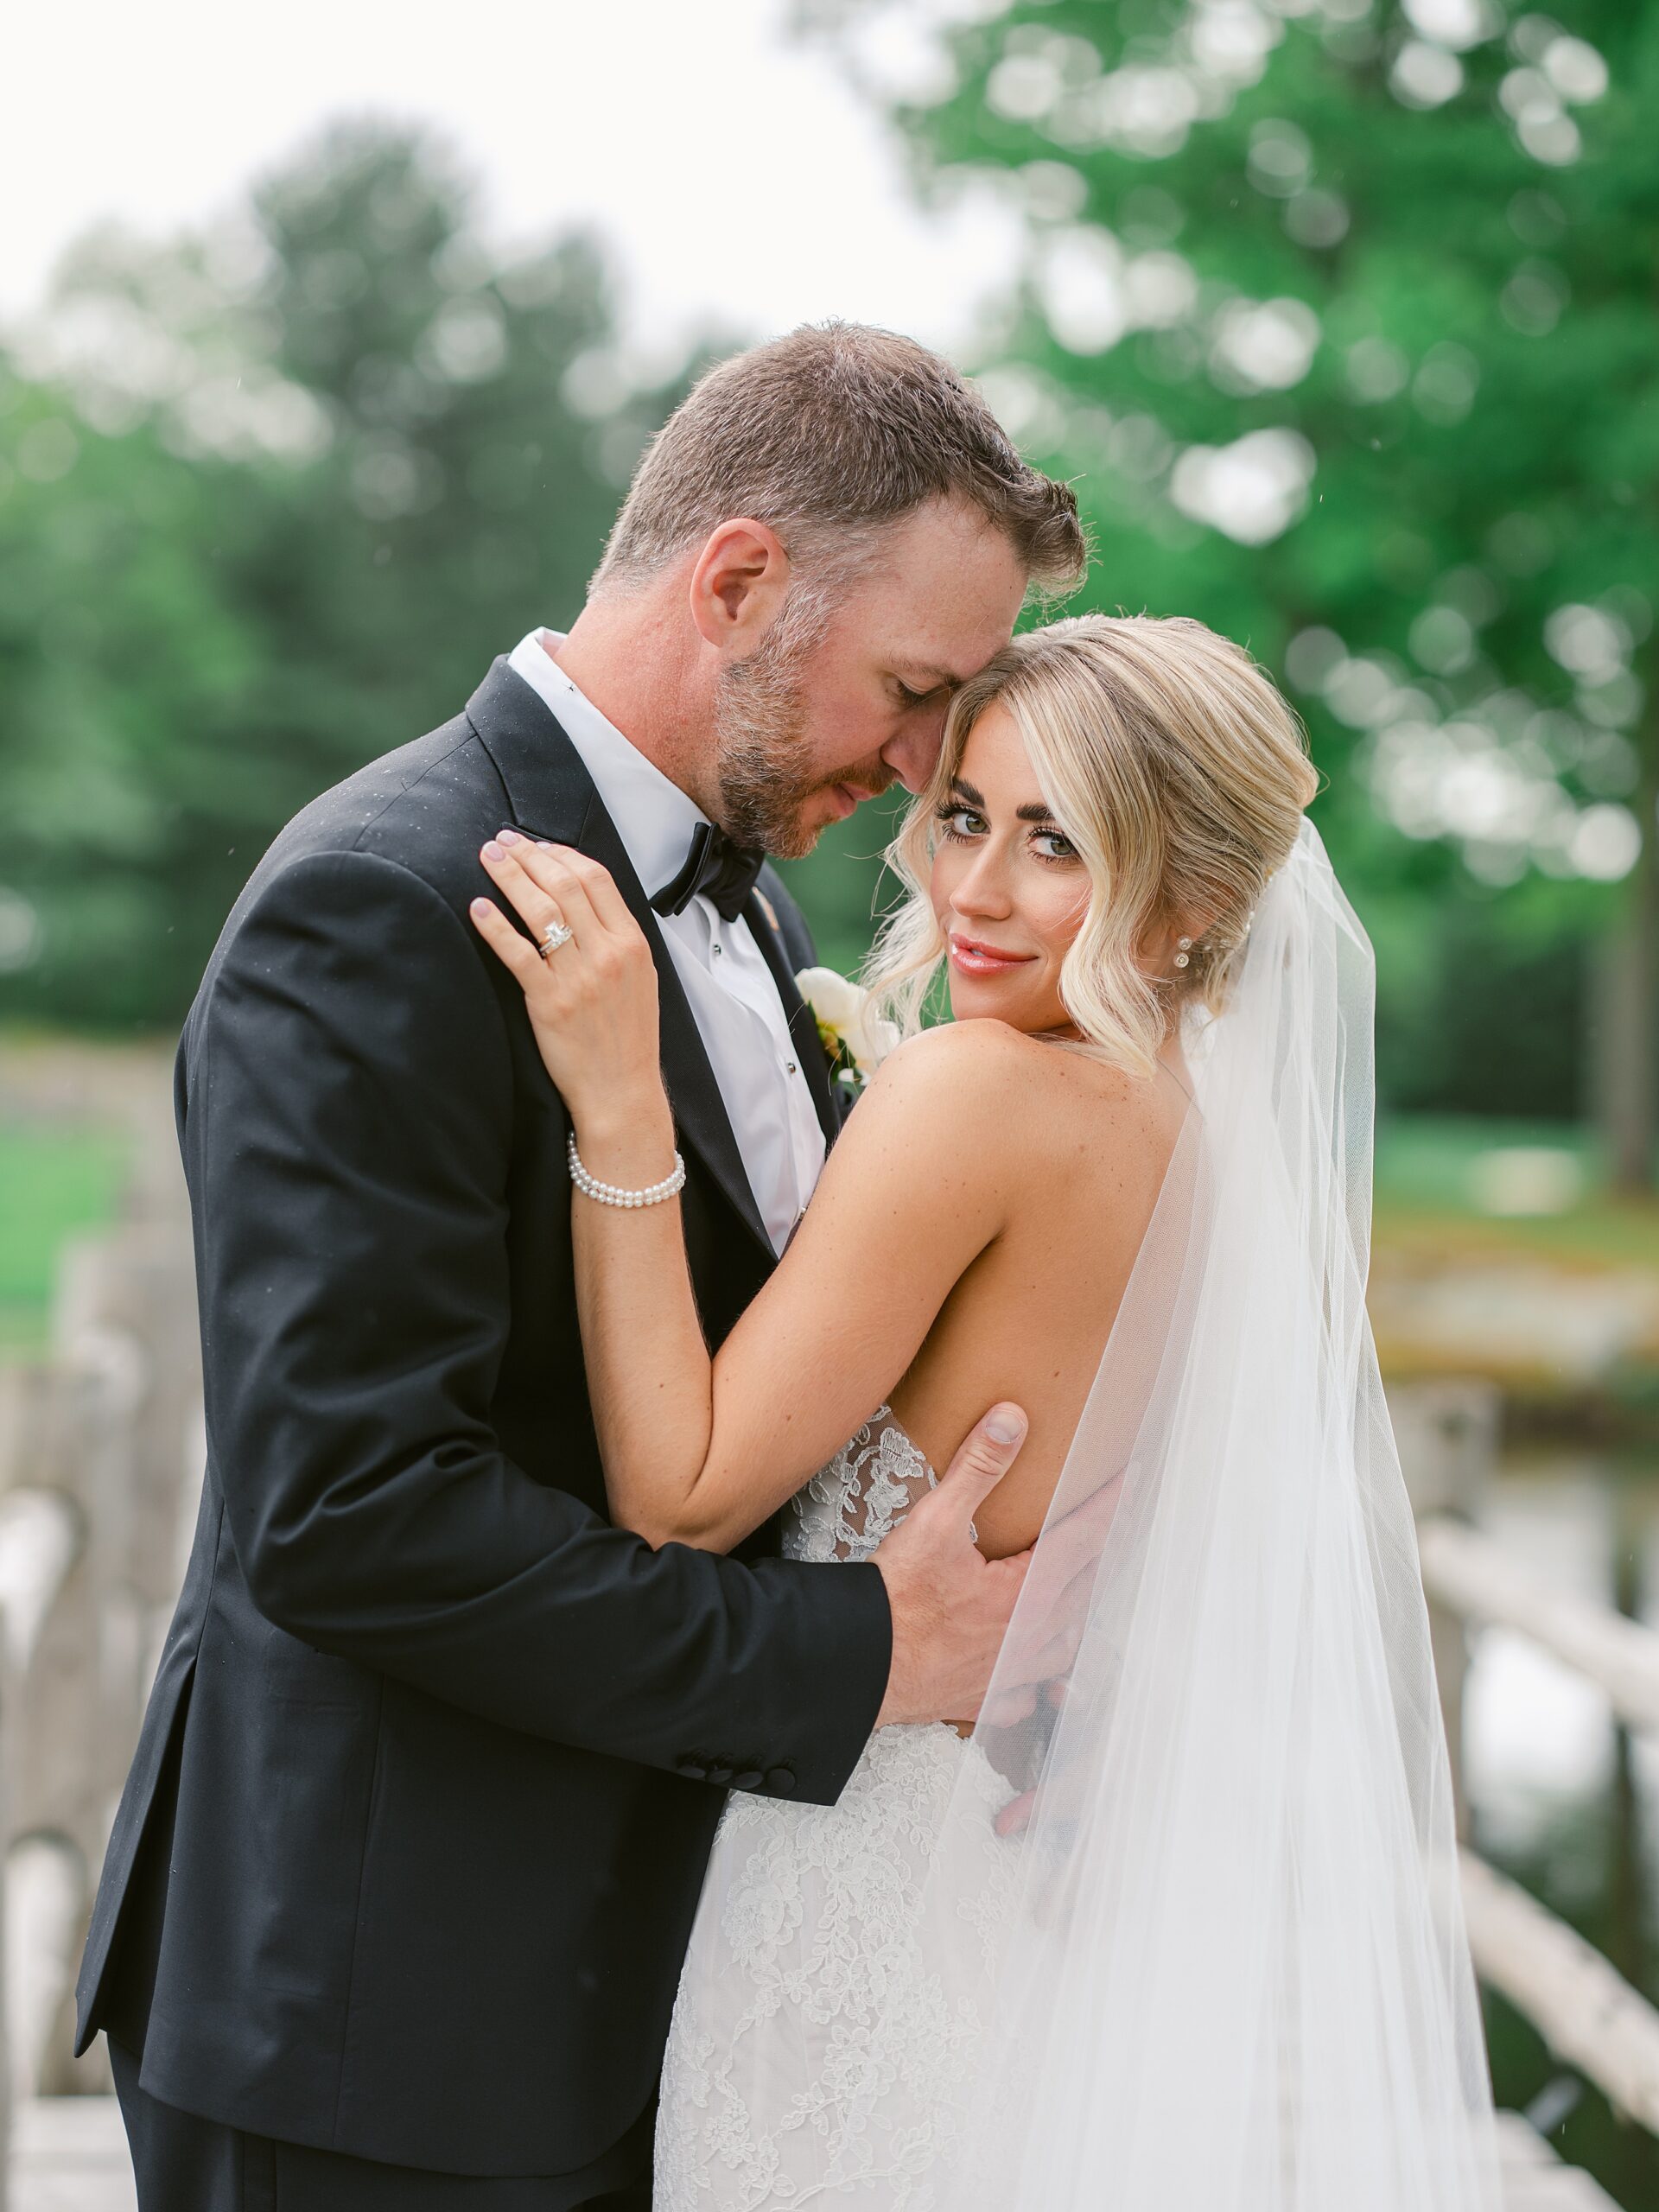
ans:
(1088, 1147)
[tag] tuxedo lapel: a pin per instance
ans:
(810, 1054)
(553, 796)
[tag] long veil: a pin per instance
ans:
(1233, 1975)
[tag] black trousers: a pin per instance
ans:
(185, 2165)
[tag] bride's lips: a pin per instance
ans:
(976, 959)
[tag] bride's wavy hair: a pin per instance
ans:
(1180, 774)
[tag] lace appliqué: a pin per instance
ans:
(830, 2014)
(856, 1502)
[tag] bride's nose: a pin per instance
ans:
(983, 888)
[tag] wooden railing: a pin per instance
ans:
(100, 1463)
(1588, 2014)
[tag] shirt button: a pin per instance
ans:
(790, 1067)
(717, 951)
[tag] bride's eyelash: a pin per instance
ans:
(948, 816)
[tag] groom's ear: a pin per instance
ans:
(738, 584)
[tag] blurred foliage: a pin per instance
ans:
(269, 506)
(1356, 372)
(1340, 316)
(53, 1182)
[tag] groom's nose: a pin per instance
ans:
(913, 754)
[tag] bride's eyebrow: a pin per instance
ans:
(1034, 810)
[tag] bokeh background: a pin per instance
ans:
(326, 350)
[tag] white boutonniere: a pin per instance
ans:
(855, 1038)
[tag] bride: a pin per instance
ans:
(1182, 1934)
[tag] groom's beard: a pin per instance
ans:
(763, 755)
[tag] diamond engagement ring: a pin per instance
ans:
(553, 937)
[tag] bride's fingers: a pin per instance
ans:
(541, 895)
(510, 946)
(581, 887)
(597, 881)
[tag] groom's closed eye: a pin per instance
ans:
(918, 685)
(910, 696)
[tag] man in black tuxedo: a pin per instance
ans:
(398, 1894)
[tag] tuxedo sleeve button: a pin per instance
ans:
(693, 1770)
(780, 1782)
(720, 1775)
(748, 1777)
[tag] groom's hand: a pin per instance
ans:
(950, 1605)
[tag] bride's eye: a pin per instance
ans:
(953, 819)
(1066, 850)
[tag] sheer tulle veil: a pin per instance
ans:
(1236, 1977)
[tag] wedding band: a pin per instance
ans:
(555, 935)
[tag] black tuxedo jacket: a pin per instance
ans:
(407, 1857)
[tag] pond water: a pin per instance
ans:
(1539, 1741)
(1559, 1796)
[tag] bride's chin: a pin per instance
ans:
(977, 997)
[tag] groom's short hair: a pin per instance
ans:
(826, 434)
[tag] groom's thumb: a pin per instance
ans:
(984, 1456)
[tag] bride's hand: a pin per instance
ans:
(592, 1000)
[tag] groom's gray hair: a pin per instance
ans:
(827, 436)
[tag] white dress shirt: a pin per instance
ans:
(732, 996)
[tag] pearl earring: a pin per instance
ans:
(1185, 953)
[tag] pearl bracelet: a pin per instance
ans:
(609, 1194)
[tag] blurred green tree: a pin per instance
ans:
(269, 502)
(1341, 315)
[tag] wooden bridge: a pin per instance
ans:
(100, 1459)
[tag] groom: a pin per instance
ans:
(399, 1890)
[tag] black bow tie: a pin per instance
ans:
(723, 872)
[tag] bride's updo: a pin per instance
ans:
(1178, 772)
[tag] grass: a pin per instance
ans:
(1428, 1202)
(52, 1183)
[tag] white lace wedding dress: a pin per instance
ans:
(821, 2037)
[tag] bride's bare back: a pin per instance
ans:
(1087, 1147)
(969, 1240)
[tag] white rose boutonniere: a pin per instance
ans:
(855, 1038)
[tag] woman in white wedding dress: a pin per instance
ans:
(1187, 1916)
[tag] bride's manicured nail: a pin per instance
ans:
(1005, 1425)
(510, 836)
(480, 906)
(494, 852)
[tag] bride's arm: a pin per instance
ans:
(697, 1451)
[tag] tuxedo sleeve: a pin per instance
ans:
(348, 1127)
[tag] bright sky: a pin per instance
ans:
(732, 170)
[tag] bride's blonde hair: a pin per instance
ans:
(1177, 770)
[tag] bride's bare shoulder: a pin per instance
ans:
(968, 1064)
(1004, 1089)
